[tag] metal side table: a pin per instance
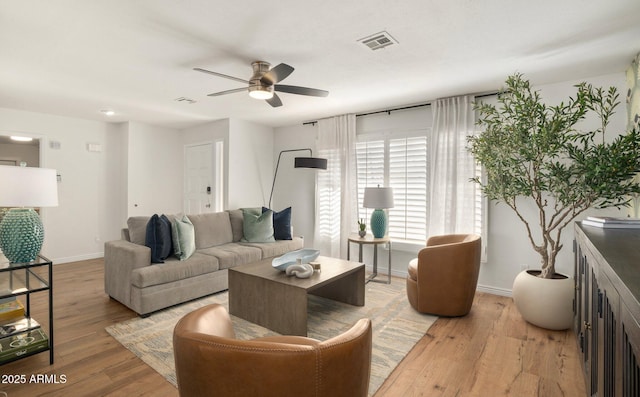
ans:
(370, 240)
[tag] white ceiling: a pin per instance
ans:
(75, 58)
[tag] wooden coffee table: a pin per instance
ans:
(268, 297)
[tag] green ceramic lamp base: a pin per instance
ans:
(21, 235)
(378, 223)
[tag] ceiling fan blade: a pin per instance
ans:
(293, 89)
(277, 73)
(221, 75)
(228, 91)
(274, 101)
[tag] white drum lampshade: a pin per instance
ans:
(378, 198)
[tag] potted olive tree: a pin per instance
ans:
(536, 155)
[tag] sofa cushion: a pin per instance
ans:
(253, 211)
(279, 247)
(258, 228)
(138, 229)
(184, 241)
(158, 238)
(236, 218)
(174, 270)
(211, 229)
(281, 223)
(233, 254)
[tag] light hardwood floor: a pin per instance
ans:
(490, 352)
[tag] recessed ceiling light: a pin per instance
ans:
(22, 138)
(108, 112)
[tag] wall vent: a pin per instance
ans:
(378, 40)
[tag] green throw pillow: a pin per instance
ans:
(184, 238)
(258, 228)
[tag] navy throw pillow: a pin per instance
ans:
(158, 238)
(281, 223)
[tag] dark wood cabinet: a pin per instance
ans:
(607, 309)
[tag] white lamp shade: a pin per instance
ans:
(378, 197)
(28, 187)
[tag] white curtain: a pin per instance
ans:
(336, 198)
(453, 202)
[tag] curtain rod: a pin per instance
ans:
(388, 111)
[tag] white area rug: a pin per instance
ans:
(396, 328)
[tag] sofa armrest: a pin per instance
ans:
(121, 257)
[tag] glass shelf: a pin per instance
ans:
(19, 282)
(24, 279)
(18, 326)
(6, 266)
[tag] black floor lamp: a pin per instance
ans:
(299, 162)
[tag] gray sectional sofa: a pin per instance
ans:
(145, 287)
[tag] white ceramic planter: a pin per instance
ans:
(547, 303)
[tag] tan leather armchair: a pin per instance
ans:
(210, 361)
(442, 280)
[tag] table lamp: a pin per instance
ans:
(21, 230)
(378, 198)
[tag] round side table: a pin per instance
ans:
(368, 240)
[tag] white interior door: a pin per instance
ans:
(199, 179)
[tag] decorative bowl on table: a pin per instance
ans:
(305, 255)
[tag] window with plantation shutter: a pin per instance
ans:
(408, 178)
(430, 171)
(400, 163)
(370, 161)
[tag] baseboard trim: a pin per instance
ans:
(383, 270)
(77, 258)
(481, 288)
(494, 290)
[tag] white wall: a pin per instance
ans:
(135, 164)
(250, 164)
(508, 246)
(155, 170)
(84, 219)
(401, 121)
(137, 171)
(296, 187)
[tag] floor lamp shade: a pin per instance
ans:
(21, 230)
(378, 198)
(310, 162)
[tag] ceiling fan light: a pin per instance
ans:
(260, 93)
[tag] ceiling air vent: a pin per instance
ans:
(378, 40)
(185, 99)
